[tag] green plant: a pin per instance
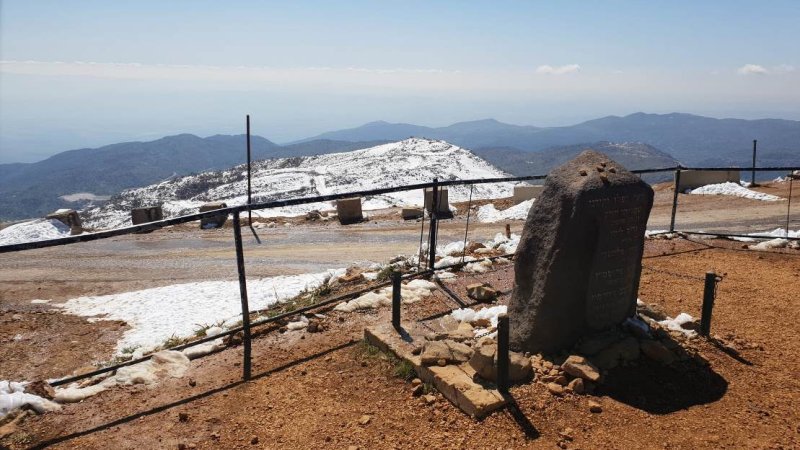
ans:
(404, 370)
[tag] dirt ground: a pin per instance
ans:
(314, 389)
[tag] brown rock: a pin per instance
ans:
(580, 367)
(183, 417)
(429, 399)
(481, 292)
(254, 440)
(416, 382)
(625, 350)
(555, 389)
(418, 390)
(656, 351)
(577, 386)
(41, 388)
(595, 407)
(561, 379)
(364, 420)
(448, 350)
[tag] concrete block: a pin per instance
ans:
(216, 221)
(455, 382)
(146, 214)
(522, 193)
(349, 210)
(692, 179)
(411, 213)
(68, 217)
(442, 203)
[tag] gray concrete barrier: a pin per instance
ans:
(68, 217)
(692, 179)
(146, 214)
(522, 193)
(442, 203)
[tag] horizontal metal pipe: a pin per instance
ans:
(703, 233)
(150, 226)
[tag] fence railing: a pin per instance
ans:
(245, 328)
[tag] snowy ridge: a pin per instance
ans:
(34, 230)
(410, 161)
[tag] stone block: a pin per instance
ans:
(693, 179)
(349, 210)
(442, 203)
(522, 193)
(146, 214)
(411, 213)
(215, 221)
(68, 217)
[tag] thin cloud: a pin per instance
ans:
(557, 70)
(752, 69)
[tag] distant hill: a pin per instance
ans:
(34, 189)
(632, 155)
(693, 140)
(406, 162)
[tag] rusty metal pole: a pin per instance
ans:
(502, 353)
(237, 234)
(789, 204)
(249, 190)
(753, 170)
(433, 225)
(396, 299)
(675, 199)
(708, 303)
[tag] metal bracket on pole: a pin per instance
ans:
(237, 234)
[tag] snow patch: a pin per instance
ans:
(166, 363)
(490, 214)
(411, 292)
(156, 314)
(735, 190)
(13, 396)
(34, 230)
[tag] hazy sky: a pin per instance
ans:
(88, 73)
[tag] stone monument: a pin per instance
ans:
(578, 263)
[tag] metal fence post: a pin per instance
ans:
(502, 353)
(237, 234)
(753, 170)
(789, 203)
(396, 298)
(433, 225)
(708, 303)
(675, 199)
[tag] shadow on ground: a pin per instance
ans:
(660, 389)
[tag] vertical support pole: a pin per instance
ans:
(249, 191)
(433, 225)
(753, 171)
(708, 303)
(508, 230)
(789, 204)
(237, 234)
(396, 298)
(675, 199)
(502, 353)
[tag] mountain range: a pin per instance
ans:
(34, 189)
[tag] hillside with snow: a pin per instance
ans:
(406, 162)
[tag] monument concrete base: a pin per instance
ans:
(454, 381)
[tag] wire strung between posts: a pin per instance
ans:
(466, 229)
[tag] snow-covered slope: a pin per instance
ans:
(405, 162)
